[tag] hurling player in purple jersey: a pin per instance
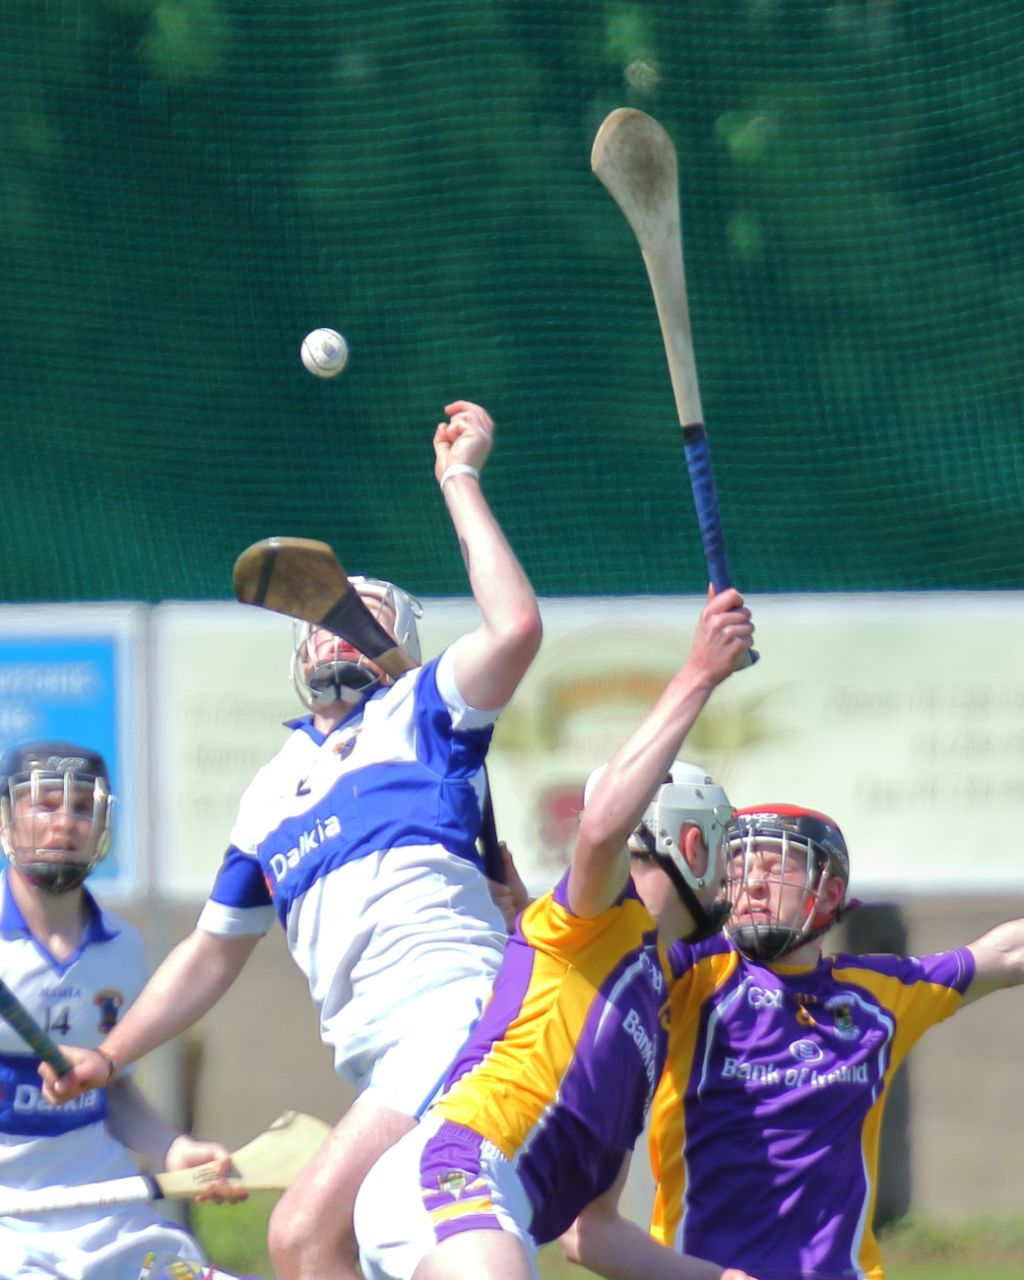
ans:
(765, 1129)
(544, 1101)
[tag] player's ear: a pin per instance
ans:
(694, 850)
(830, 899)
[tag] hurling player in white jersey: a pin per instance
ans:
(360, 835)
(76, 968)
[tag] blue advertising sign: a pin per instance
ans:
(74, 687)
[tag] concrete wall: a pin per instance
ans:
(965, 1079)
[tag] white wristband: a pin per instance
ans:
(458, 469)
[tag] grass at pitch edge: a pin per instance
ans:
(983, 1249)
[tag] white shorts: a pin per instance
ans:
(408, 1076)
(400, 951)
(440, 1180)
(99, 1243)
(81, 1246)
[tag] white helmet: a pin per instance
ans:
(319, 681)
(687, 797)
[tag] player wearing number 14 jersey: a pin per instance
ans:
(75, 967)
(765, 1129)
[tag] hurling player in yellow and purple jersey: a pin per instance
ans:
(546, 1098)
(765, 1129)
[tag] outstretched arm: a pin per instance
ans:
(188, 983)
(600, 861)
(998, 960)
(489, 661)
(602, 1240)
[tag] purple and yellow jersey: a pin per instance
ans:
(562, 1067)
(765, 1128)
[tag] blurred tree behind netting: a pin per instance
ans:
(188, 186)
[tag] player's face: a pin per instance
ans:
(51, 821)
(323, 646)
(661, 897)
(768, 885)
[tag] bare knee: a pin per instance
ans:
(311, 1235)
(306, 1243)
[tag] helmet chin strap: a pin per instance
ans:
(706, 921)
(340, 682)
(772, 942)
(54, 877)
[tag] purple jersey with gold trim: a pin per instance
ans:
(765, 1128)
(561, 1069)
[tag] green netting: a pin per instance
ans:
(188, 186)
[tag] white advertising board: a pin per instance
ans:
(901, 716)
(219, 694)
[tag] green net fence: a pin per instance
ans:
(188, 186)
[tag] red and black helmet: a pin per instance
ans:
(825, 856)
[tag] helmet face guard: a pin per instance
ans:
(55, 813)
(687, 798)
(321, 680)
(807, 849)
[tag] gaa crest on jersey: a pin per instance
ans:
(109, 1002)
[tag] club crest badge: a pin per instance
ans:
(109, 1003)
(453, 1182)
(345, 748)
(841, 1009)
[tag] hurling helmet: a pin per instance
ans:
(320, 681)
(784, 828)
(55, 812)
(687, 797)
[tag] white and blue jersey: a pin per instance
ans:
(77, 1000)
(363, 842)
